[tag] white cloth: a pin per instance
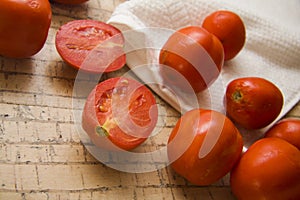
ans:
(271, 51)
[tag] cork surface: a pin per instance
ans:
(41, 155)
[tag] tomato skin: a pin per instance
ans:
(189, 51)
(287, 129)
(253, 102)
(20, 36)
(229, 28)
(91, 46)
(130, 109)
(70, 2)
(269, 170)
(188, 137)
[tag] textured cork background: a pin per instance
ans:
(41, 155)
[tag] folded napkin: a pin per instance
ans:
(271, 51)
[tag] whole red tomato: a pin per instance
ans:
(70, 2)
(24, 26)
(203, 146)
(91, 45)
(269, 170)
(287, 129)
(119, 112)
(253, 102)
(229, 28)
(195, 54)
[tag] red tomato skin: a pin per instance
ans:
(187, 45)
(78, 40)
(24, 26)
(287, 129)
(70, 2)
(188, 137)
(144, 115)
(229, 28)
(253, 102)
(269, 170)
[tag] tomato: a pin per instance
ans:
(203, 146)
(229, 28)
(287, 129)
(119, 112)
(253, 102)
(70, 2)
(90, 45)
(269, 170)
(24, 26)
(195, 54)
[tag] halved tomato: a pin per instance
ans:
(91, 46)
(119, 112)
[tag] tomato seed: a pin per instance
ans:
(103, 108)
(139, 101)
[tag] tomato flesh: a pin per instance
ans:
(91, 46)
(122, 110)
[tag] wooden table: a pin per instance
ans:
(41, 155)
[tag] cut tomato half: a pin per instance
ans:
(90, 45)
(119, 112)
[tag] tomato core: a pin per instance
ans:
(101, 131)
(104, 129)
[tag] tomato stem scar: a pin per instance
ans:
(237, 95)
(101, 131)
(105, 128)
